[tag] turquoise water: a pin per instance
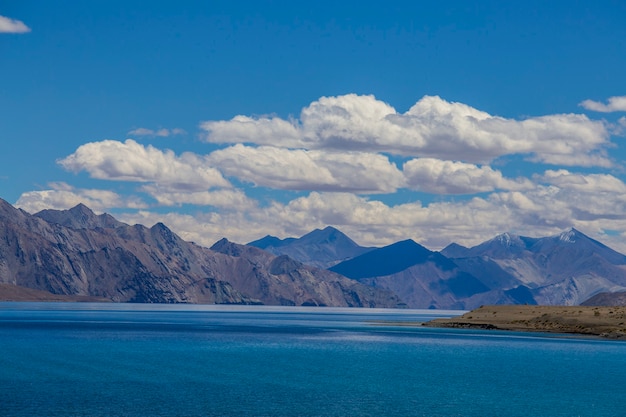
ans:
(59, 359)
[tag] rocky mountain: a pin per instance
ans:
(320, 248)
(508, 269)
(564, 269)
(75, 252)
(389, 260)
(79, 217)
(421, 277)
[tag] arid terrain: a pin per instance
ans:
(607, 322)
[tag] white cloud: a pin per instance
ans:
(542, 211)
(337, 149)
(131, 161)
(204, 228)
(448, 177)
(619, 127)
(260, 131)
(62, 196)
(222, 198)
(8, 25)
(590, 183)
(141, 131)
(309, 170)
(432, 128)
(617, 103)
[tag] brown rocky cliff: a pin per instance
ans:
(75, 252)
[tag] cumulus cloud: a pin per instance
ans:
(261, 131)
(432, 128)
(204, 228)
(448, 177)
(590, 183)
(308, 170)
(131, 161)
(62, 196)
(338, 150)
(222, 198)
(8, 25)
(619, 127)
(544, 210)
(141, 131)
(617, 103)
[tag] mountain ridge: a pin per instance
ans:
(566, 268)
(322, 248)
(76, 252)
(79, 253)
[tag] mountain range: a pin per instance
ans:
(78, 253)
(320, 248)
(566, 269)
(83, 256)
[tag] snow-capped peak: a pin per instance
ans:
(504, 239)
(568, 236)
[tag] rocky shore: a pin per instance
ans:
(608, 322)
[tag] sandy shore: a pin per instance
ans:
(609, 322)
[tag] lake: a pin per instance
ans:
(93, 359)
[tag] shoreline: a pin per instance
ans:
(11, 292)
(604, 322)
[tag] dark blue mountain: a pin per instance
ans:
(271, 241)
(422, 278)
(389, 260)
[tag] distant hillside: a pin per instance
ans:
(564, 269)
(421, 277)
(386, 261)
(320, 248)
(508, 269)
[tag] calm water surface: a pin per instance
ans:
(75, 359)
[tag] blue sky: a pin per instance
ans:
(437, 122)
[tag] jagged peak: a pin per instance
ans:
(570, 236)
(454, 250)
(78, 217)
(405, 243)
(81, 208)
(227, 247)
(324, 236)
(220, 243)
(503, 245)
(505, 239)
(161, 230)
(267, 241)
(327, 231)
(5, 206)
(160, 226)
